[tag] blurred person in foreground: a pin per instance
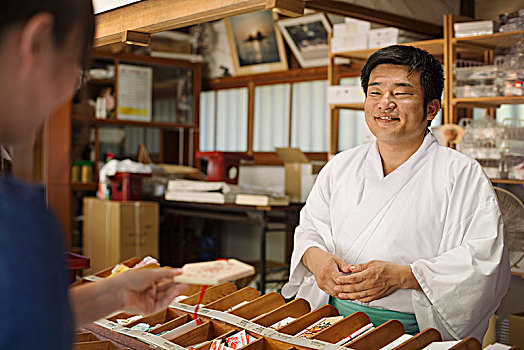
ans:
(44, 45)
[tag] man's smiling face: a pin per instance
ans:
(394, 105)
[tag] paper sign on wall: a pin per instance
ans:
(134, 92)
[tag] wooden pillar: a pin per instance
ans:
(333, 112)
(57, 166)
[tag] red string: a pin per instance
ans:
(194, 317)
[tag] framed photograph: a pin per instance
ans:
(307, 37)
(256, 45)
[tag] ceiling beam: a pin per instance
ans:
(467, 8)
(154, 16)
(375, 16)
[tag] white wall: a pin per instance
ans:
(489, 9)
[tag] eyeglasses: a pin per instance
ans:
(81, 79)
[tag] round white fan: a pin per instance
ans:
(512, 210)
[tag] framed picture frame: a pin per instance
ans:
(307, 37)
(256, 44)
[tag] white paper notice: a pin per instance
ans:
(134, 92)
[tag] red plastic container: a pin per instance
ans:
(222, 166)
(127, 186)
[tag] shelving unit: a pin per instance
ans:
(481, 48)
(174, 80)
(489, 42)
(434, 46)
(446, 50)
(487, 102)
(117, 122)
(176, 136)
(84, 186)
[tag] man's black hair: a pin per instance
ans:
(68, 15)
(431, 71)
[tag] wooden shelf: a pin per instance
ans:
(434, 47)
(490, 41)
(107, 81)
(505, 181)
(487, 101)
(118, 122)
(516, 273)
(357, 106)
(84, 186)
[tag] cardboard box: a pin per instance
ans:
(473, 28)
(116, 231)
(351, 26)
(382, 37)
(516, 329)
(300, 173)
(350, 42)
(339, 94)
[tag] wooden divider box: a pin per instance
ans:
(83, 337)
(267, 344)
(308, 319)
(205, 332)
(212, 294)
(235, 299)
(259, 306)
(96, 345)
(175, 323)
(267, 310)
(296, 309)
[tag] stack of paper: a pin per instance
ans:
(197, 191)
(261, 199)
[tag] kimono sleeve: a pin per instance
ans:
(464, 284)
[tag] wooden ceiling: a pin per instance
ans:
(154, 16)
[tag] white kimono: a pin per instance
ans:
(436, 212)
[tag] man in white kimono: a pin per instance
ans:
(402, 227)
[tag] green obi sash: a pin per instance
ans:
(376, 316)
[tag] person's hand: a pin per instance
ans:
(374, 280)
(326, 268)
(144, 291)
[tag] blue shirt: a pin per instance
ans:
(34, 306)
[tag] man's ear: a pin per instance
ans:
(432, 109)
(35, 35)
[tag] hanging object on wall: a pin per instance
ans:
(307, 37)
(256, 46)
(135, 86)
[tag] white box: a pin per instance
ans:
(351, 27)
(339, 94)
(382, 37)
(474, 28)
(349, 43)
